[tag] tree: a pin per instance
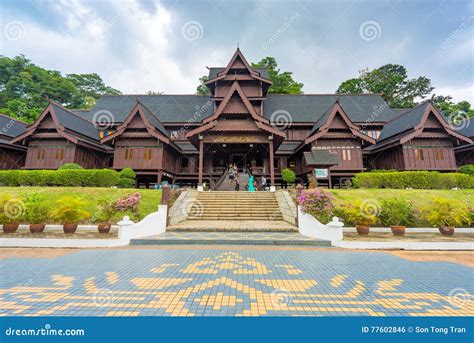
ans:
(202, 89)
(453, 111)
(282, 82)
(91, 85)
(25, 88)
(391, 81)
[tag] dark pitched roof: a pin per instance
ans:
(320, 157)
(7, 144)
(321, 121)
(467, 128)
(154, 121)
(287, 147)
(11, 127)
(73, 122)
(214, 71)
(403, 122)
(186, 147)
(310, 108)
(400, 111)
(167, 108)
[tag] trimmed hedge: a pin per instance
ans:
(467, 169)
(70, 166)
(66, 177)
(413, 179)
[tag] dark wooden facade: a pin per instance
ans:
(192, 139)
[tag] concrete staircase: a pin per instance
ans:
(221, 205)
(226, 186)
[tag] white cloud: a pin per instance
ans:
(458, 93)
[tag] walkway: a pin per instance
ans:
(230, 281)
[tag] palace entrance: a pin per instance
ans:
(247, 157)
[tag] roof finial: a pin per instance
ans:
(337, 99)
(237, 45)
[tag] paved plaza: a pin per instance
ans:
(233, 281)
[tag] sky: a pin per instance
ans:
(142, 45)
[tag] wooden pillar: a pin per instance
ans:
(159, 177)
(201, 161)
(272, 164)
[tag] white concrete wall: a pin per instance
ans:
(181, 207)
(287, 206)
(311, 227)
(152, 224)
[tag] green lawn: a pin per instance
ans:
(419, 197)
(150, 198)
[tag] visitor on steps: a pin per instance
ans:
(263, 183)
(231, 174)
(237, 184)
(251, 186)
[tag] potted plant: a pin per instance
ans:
(361, 217)
(446, 214)
(396, 213)
(37, 212)
(11, 213)
(317, 203)
(70, 211)
(106, 210)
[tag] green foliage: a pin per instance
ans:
(282, 82)
(454, 111)
(105, 210)
(25, 87)
(467, 169)
(390, 80)
(126, 183)
(70, 210)
(445, 212)
(127, 178)
(397, 212)
(128, 173)
(288, 175)
(37, 209)
(356, 214)
(11, 209)
(202, 89)
(66, 177)
(413, 179)
(70, 166)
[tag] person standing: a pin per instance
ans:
(263, 182)
(237, 184)
(251, 186)
(231, 174)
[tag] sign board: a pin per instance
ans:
(321, 173)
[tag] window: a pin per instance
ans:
(419, 155)
(40, 154)
(276, 163)
(184, 163)
(346, 154)
(59, 154)
(128, 154)
(147, 155)
(438, 154)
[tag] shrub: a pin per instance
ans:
(105, 210)
(70, 210)
(70, 166)
(129, 203)
(413, 179)
(288, 175)
(445, 212)
(467, 169)
(126, 183)
(12, 209)
(360, 214)
(396, 212)
(128, 173)
(37, 209)
(64, 177)
(317, 203)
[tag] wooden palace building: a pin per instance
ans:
(191, 139)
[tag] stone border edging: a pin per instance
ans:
(405, 245)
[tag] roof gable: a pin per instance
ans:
(150, 122)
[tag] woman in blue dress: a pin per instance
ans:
(251, 187)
